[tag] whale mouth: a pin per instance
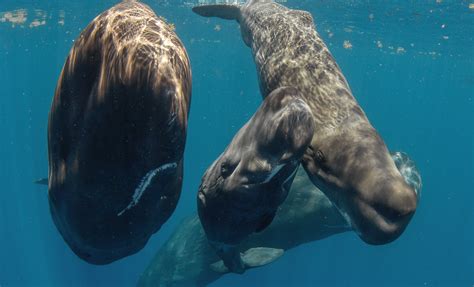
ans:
(383, 227)
(145, 183)
(381, 222)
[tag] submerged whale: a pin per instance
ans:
(187, 259)
(241, 191)
(117, 131)
(347, 159)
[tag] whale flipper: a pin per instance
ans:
(260, 256)
(42, 181)
(252, 258)
(224, 11)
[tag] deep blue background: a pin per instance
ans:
(419, 98)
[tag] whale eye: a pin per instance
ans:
(225, 170)
(319, 156)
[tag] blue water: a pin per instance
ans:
(411, 67)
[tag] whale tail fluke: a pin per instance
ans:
(224, 11)
(252, 258)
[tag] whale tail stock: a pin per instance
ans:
(252, 258)
(224, 11)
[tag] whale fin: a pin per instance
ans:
(42, 181)
(224, 11)
(260, 256)
(252, 258)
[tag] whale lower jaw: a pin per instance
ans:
(145, 183)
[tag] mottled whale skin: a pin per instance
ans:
(241, 191)
(347, 159)
(184, 260)
(117, 131)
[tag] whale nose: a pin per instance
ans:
(386, 217)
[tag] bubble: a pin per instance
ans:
(408, 169)
(347, 45)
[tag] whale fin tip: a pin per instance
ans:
(41, 181)
(252, 258)
(260, 256)
(219, 267)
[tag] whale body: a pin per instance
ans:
(116, 133)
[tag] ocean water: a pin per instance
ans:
(410, 65)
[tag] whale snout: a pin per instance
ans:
(385, 218)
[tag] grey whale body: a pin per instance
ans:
(116, 134)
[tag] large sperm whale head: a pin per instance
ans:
(356, 171)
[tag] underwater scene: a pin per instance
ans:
(237, 143)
